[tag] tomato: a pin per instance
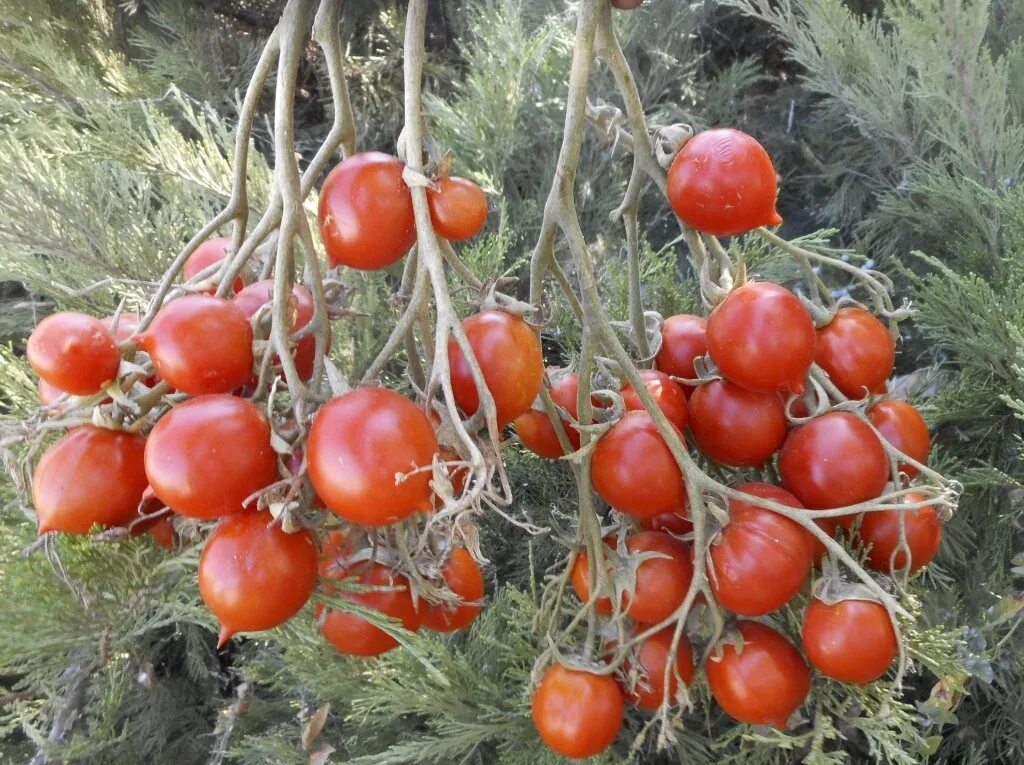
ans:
(358, 443)
(577, 713)
(667, 394)
(580, 577)
(762, 684)
(833, 461)
(200, 344)
(762, 338)
(852, 641)
(350, 633)
(675, 523)
(857, 351)
(633, 470)
(92, 475)
(881, 530)
(458, 208)
(535, 429)
(899, 423)
(208, 454)
(829, 526)
(163, 532)
(206, 254)
(651, 656)
(366, 216)
(510, 357)
(253, 575)
(48, 394)
(456, 475)
(300, 313)
(735, 426)
(762, 558)
(683, 339)
(626, 5)
(127, 323)
(462, 576)
(74, 353)
(722, 182)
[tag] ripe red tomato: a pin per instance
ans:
(456, 475)
(762, 338)
(462, 576)
(73, 352)
(666, 392)
(762, 559)
(675, 523)
(200, 344)
(634, 471)
(208, 454)
(857, 352)
(358, 443)
(300, 310)
(127, 323)
(833, 461)
(580, 577)
(736, 426)
(458, 208)
(765, 682)
(577, 713)
(852, 641)
(92, 475)
(163, 532)
(206, 254)
(722, 182)
(49, 393)
(902, 425)
(683, 339)
(510, 357)
(881, 530)
(534, 428)
(255, 576)
(651, 657)
(366, 216)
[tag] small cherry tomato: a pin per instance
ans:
(668, 395)
(683, 339)
(857, 351)
(534, 428)
(458, 208)
(881, 530)
(206, 254)
(300, 313)
(48, 394)
(577, 713)
(74, 353)
(736, 426)
(675, 523)
(651, 656)
(462, 576)
(456, 475)
(163, 532)
(899, 423)
(852, 641)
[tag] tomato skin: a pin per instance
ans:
(833, 461)
(73, 352)
(163, 532)
(200, 344)
(673, 523)
(722, 182)
(683, 339)
(577, 713)
(829, 526)
(510, 357)
(765, 683)
(857, 351)
(852, 641)
(462, 576)
(206, 254)
(208, 454)
(899, 423)
(651, 657)
(534, 428)
(253, 575)
(667, 393)
(580, 577)
(48, 394)
(458, 208)
(735, 426)
(366, 216)
(258, 294)
(633, 470)
(762, 338)
(357, 444)
(881, 529)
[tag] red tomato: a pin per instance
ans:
(255, 576)
(762, 559)
(833, 461)
(902, 425)
(73, 352)
(127, 323)
(581, 580)
(674, 523)
(634, 471)
(534, 428)
(722, 182)
(462, 576)
(335, 549)
(366, 216)
(852, 641)
(683, 339)
(735, 426)
(857, 352)
(300, 311)
(881, 530)
(456, 475)
(92, 475)
(458, 208)
(765, 682)
(163, 532)
(762, 338)
(48, 393)
(829, 526)
(510, 357)
(666, 392)
(206, 254)
(577, 713)
(651, 657)
(358, 443)
(207, 455)
(200, 344)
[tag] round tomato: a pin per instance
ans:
(899, 423)
(674, 523)
(127, 323)
(881, 530)
(683, 339)
(722, 182)
(852, 641)
(74, 353)
(581, 579)
(458, 208)
(253, 575)
(577, 713)
(833, 461)
(462, 576)
(764, 682)
(48, 394)
(857, 352)
(762, 338)
(534, 428)
(206, 254)
(510, 358)
(300, 313)
(651, 656)
(667, 394)
(359, 442)
(366, 216)
(206, 456)
(736, 426)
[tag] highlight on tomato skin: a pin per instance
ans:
(74, 353)
(577, 713)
